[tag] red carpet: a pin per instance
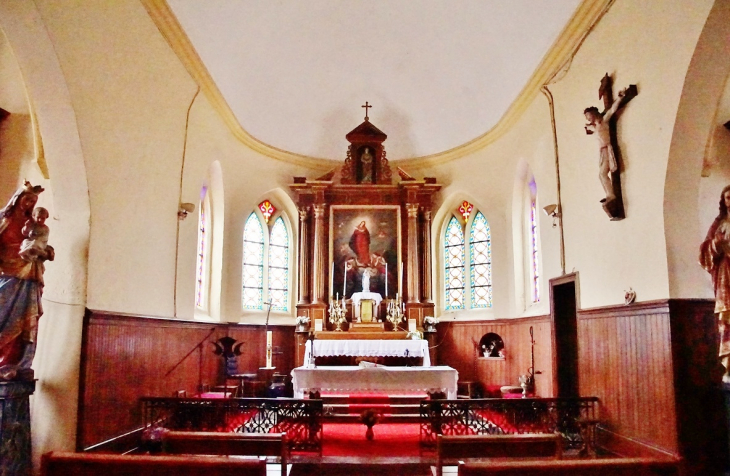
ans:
(391, 439)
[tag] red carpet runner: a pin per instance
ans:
(391, 439)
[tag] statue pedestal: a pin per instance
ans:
(15, 444)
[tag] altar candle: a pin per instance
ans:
(386, 280)
(268, 348)
(344, 283)
(332, 280)
(400, 286)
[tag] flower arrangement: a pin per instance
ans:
(369, 418)
(303, 321)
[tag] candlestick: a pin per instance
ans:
(268, 349)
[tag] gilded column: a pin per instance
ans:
(413, 281)
(318, 271)
(303, 256)
(427, 284)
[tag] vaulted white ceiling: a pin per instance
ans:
(438, 73)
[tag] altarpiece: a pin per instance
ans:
(362, 236)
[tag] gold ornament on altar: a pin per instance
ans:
(395, 312)
(337, 312)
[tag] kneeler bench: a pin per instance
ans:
(227, 444)
(451, 449)
(580, 467)
(88, 464)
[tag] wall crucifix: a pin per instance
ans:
(603, 126)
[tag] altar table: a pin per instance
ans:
(375, 379)
(369, 348)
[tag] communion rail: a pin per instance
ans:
(301, 420)
(573, 418)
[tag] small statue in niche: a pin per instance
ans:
(715, 259)
(21, 281)
(603, 126)
(366, 166)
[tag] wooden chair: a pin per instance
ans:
(453, 448)
(88, 464)
(227, 444)
(590, 467)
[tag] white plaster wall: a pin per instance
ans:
(690, 201)
(54, 404)
(487, 179)
(248, 178)
(130, 94)
(648, 44)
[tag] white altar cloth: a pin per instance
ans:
(439, 378)
(357, 297)
(369, 348)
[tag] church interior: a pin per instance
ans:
(499, 203)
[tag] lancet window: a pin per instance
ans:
(201, 269)
(474, 261)
(265, 264)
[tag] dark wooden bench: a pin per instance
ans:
(584, 467)
(88, 464)
(227, 444)
(453, 448)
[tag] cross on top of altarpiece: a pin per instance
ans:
(366, 106)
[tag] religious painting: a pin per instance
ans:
(365, 250)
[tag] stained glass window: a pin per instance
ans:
(480, 261)
(253, 263)
(454, 265)
(465, 210)
(267, 209)
(202, 243)
(534, 256)
(279, 266)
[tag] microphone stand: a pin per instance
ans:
(199, 347)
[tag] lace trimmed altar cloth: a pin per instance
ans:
(439, 378)
(369, 348)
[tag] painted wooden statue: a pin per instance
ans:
(603, 126)
(23, 250)
(715, 259)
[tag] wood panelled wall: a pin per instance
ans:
(625, 359)
(654, 367)
(126, 357)
(456, 349)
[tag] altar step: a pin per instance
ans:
(392, 408)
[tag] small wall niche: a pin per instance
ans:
(491, 346)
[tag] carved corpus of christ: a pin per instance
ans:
(602, 125)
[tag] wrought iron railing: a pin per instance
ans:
(573, 418)
(300, 419)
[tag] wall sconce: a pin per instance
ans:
(184, 209)
(553, 211)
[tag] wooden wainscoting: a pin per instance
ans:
(125, 357)
(456, 349)
(653, 366)
(625, 359)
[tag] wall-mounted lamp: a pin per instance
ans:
(553, 211)
(184, 209)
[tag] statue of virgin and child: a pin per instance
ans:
(23, 250)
